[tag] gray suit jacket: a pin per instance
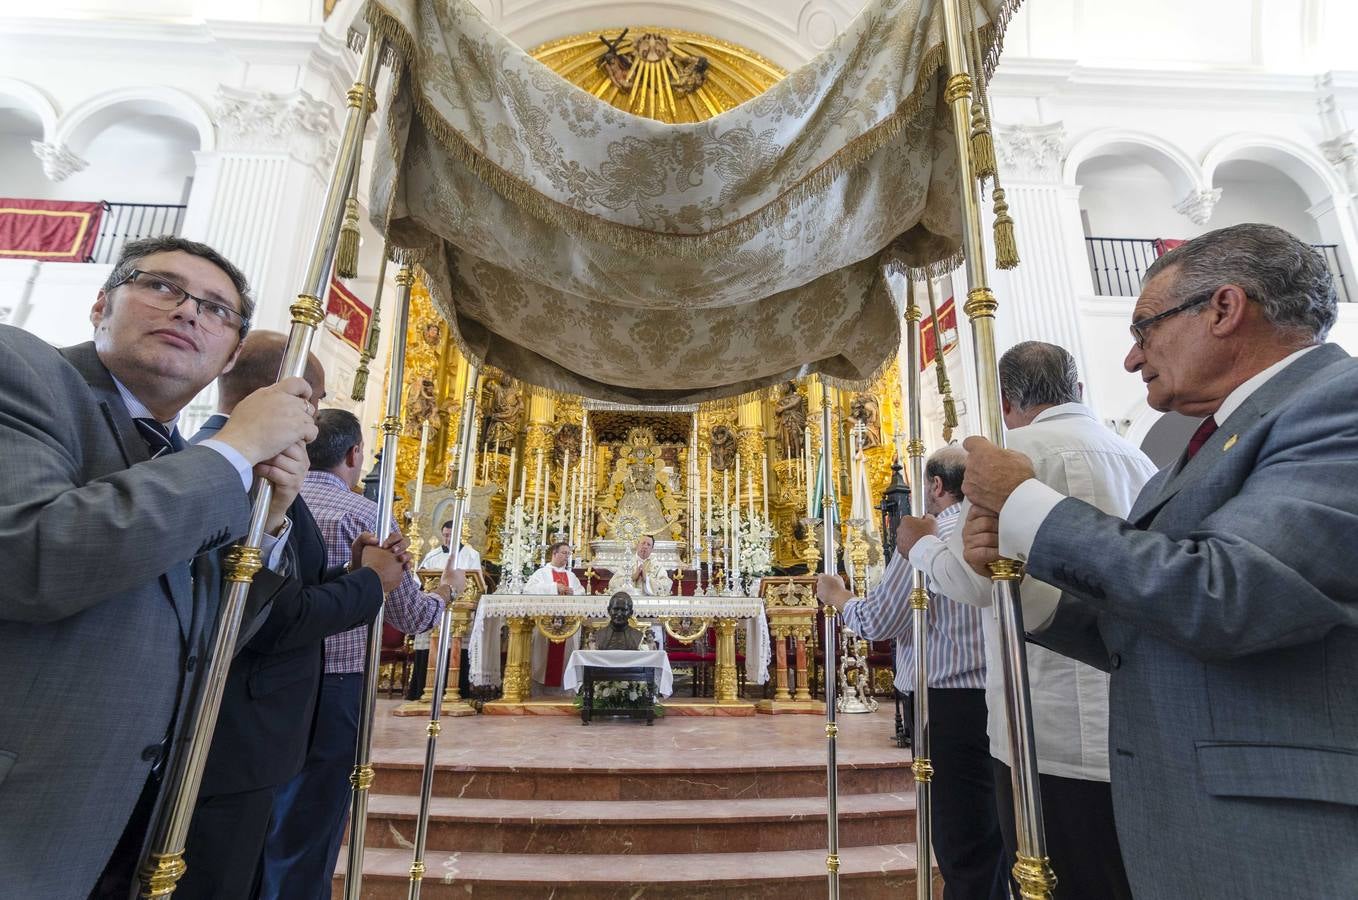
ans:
(1226, 610)
(109, 586)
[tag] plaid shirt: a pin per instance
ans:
(343, 516)
(956, 644)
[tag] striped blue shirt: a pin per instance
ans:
(956, 645)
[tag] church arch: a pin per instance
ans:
(1178, 168)
(79, 127)
(25, 98)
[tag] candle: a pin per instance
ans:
(523, 483)
(726, 525)
(509, 481)
(538, 506)
(561, 503)
(736, 486)
(766, 485)
(709, 494)
(810, 472)
(419, 470)
(749, 491)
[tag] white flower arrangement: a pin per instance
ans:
(756, 545)
(519, 538)
(621, 695)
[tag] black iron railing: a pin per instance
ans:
(1119, 264)
(125, 222)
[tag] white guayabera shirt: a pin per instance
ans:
(1073, 453)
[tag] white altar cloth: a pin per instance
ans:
(658, 660)
(483, 644)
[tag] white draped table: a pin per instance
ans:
(563, 615)
(620, 659)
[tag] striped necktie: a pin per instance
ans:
(157, 437)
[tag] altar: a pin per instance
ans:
(558, 618)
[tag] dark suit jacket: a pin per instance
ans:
(269, 703)
(112, 578)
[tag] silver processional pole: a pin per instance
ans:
(831, 567)
(464, 469)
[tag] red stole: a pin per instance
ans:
(556, 652)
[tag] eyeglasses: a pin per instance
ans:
(161, 293)
(1141, 326)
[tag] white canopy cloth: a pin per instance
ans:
(620, 659)
(567, 241)
(483, 645)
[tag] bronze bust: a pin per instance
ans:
(618, 634)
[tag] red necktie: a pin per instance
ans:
(1200, 436)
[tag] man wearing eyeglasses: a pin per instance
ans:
(1225, 605)
(109, 524)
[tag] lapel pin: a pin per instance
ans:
(1230, 442)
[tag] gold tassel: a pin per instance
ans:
(1006, 246)
(982, 145)
(346, 253)
(360, 390)
(949, 416)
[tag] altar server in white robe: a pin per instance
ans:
(549, 659)
(468, 558)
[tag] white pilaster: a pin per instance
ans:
(256, 198)
(1039, 299)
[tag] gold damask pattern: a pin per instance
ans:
(591, 251)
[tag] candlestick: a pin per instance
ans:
(726, 524)
(419, 470)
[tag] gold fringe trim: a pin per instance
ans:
(346, 249)
(1006, 245)
(631, 239)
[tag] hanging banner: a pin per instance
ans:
(48, 230)
(947, 322)
(1164, 245)
(345, 315)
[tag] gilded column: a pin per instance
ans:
(538, 442)
(750, 444)
(726, 688)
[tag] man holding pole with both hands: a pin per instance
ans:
(1225, 605)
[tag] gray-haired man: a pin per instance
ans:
(1225, 604)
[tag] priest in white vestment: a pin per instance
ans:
(549, 659)
(646, 576)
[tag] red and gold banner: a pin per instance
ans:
(49, 230)
(1164, 245)
(947, 322)
(353, 314)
